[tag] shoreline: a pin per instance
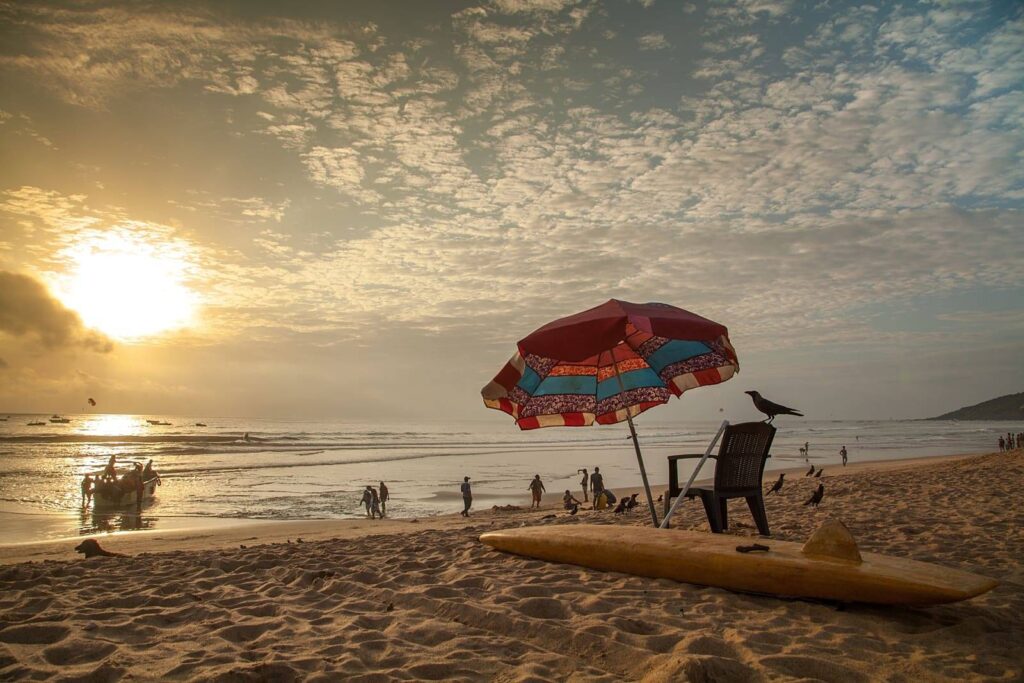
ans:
(208, 534)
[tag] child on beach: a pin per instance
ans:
(569, 500)
(384, 495)
(537, 488)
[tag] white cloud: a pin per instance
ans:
(653, 41)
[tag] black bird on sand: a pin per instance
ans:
(818, 473)
(777, 486)
(575, 509)
(809, 472)
(631, 501)
(771, 409)
(621, 507)
(816, 496)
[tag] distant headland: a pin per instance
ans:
(1009, 407)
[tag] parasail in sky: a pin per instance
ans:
(92, 402)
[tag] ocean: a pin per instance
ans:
(220, 470)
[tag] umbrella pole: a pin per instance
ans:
(636, 446)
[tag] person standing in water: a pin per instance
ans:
(384, 495)
(584, 483)
(86, 491)
(842, 453)
(374, 504)
(366, 500)
(467, 497)
(537, 488)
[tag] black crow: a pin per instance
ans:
(820, 470)
(771, 409)
(809, 472)
(631, 503)
(777, 486)
(575, 509)
(621, 507)
(817, 496)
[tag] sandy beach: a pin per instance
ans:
(421, 600)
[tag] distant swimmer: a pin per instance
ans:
(816, 497)
(777, 486)
(769, 408)
(245, 437)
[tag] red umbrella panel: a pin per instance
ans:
(642, 371)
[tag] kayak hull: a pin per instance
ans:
(712, 560)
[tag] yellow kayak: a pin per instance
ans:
(828, 567)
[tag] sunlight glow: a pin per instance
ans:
(128, 285)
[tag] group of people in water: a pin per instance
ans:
(1011, 441)
(117, 486)
(375, 501)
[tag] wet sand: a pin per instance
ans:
(425, 600)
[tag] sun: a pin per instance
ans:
(129, 285)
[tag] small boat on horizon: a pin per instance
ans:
(157, 423)
(57, 419)
(200, 424)
(36, 424)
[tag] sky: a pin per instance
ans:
(354, 210)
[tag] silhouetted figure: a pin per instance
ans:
(777, 486)
(536, 488)
(86, 490)
(384, 496)
(771, 409)
(584, 483)
(367, 499)
(816, 496)
(818, 473)
(596, 482)
(842, 454)
(809, 472)
(467, 497)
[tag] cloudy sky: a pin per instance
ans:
(355, 209)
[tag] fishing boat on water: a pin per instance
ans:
(123, 490)
(57, 419)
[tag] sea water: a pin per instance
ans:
(219, 470)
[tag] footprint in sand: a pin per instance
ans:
(33, 634)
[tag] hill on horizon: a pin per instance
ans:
(1009, 407)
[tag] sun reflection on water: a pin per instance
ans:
(112, 425)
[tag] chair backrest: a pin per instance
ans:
(742, 455)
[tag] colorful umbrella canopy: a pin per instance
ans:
(608, 364)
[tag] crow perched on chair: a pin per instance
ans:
(809, 472)
(818, 473)
(777, 486)
(771, 409)
(816, 496)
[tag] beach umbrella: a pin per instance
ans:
(609, 364)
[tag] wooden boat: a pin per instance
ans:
(36, 424)
(828, 567)
(114, 494)
(59, 420)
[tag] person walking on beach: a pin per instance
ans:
(467, 497)
(1002, 445)
(86, 490)
(374, 504)
(384, 495)
(596, 483)
(537, 488)
(584, 483)
(366, 500)
(842, 453)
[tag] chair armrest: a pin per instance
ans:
(673, 458)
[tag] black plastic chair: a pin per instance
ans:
(739, 467)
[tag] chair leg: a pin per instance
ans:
(668, 504)
(756, 505)
(711, 510)
(723, 513)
